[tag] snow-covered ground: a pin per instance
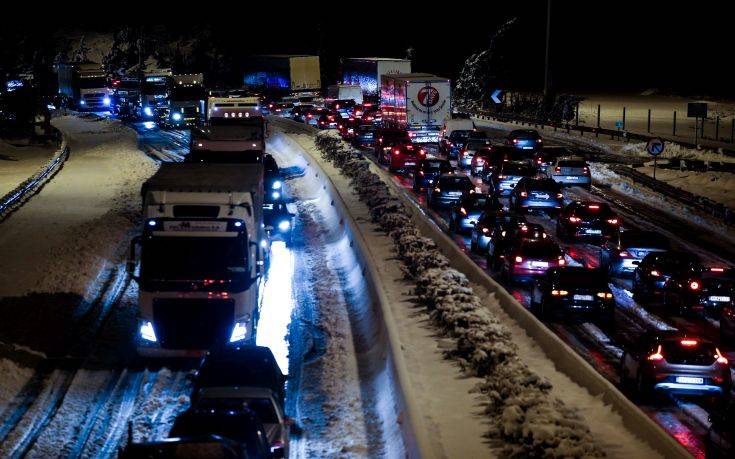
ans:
(18, 163)
(717, 186)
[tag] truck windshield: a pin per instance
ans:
(187, 93)
(93, 82)
(193, 258)
(154, 88)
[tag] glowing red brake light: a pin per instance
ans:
(612, 221)
(585, 169)
(694, 285)
(717, 270)
(575, 219)
(655, 273)
(689, 342)
(656, 356)
(557, 169)
(720, 359)
(593, 206)
(519, 259)
(524, 194)
(624, 254)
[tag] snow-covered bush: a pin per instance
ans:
(525, 421)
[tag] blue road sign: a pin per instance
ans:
(496, 96)
(655, 147)
(619, 124)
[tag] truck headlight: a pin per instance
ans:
(284, 225)
(106, 101)
(276, 185)
(82, 102)
(239, 331)
(148, 111)
(276, 195)
(176, 116)
(147, 332)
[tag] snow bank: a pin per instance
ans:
(14, 376)
(524, 418)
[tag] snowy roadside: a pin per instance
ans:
(447, 396)
(19, 163)
(714, 185)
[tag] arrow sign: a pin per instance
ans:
(496, 96)
(655, 147)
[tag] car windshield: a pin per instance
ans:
(193, 258)
(647, 240)
(543, 251)
(154, 88)
(688, 352)
(242, 429)
(581, 277)
(476, 201)
(390, 135)
(568, 163)
(525, 134)
(455, 183)
(187, 93)
(438, 165)
(543, 185)
(523, 170)
(459, 134)
(476, 144)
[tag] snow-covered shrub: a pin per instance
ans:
(525, 421)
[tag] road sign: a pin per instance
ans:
(655, 146)
(619, 124)
(697, 110)
(497, 96)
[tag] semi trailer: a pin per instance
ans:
(283, 73)
(416, 102)
(367, 71)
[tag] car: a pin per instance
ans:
(328, 120)
(253, 366)
(525, 139)
(624, 251)
(481, 156)
(404, 157)
(252, 443)
(727, 324)
(344, 107)
(278, 222)
(373, 116)
(536, 193)
(312, 116)
(594, 221)
(386, 138)
(577, 291)
(272, 179)
(464, 214)
(720, 440)
(242, 429)
(301, 112)
(427, 170)
(449, 189)
(489, 220)
(523, 260)
(455, 142)
(504, 178)
(451, 125)
(570, 171)
(346, 127)
(671, 277)
(464, 161)
(283, 109)
(364, 136)
(716, 291)
(491, 159)
(677, 363)
(505, 232)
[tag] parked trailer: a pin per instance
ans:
(367, 71)
(202, 255)
(345, 92)
(416, 102)
(86, 86)
(283, 73)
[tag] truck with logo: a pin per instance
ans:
(186, 102)
(154, 95)
(201, 257)
(367, 71)
(416, 102)
(85, 86)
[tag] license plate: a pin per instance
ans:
(689, 380)
(542, 196)
(583, 298)
(205, 226)
(528, 148)
(571, 177)
(540, 264)
(454, 193)
(409, 163)
(593, 231)
(721, 299)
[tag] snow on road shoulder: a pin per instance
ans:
(12, 379)
(18, 163)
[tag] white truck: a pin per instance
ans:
(345, 92)
(416, 102)
(186, 101)
(85, 86)
(367, 71)
(201, 253)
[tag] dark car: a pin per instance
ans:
(727, 324)
(272, 179)
(674, 278)
(278, 221)
(530, 193)
(467, 153)
(621, 254)
(525, 139)
(346, 127)
(464, 214)
(301, 112)
(209, 446)
(241, 427)
(504, 178)
(488, 160)
(328, 120)
(364, 136)
(449, 189)
(386, 138)
(506, 233)
(717, 291)
(720, 440)
(490, 226)
(574, 291)
(524, 260)
(404, 157)
(587, 220)
(677, 363)
(251, 366)
(427, 170)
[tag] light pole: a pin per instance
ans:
(547, 74)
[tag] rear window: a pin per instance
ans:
(581, 278)
(643, 240)
(593, 210)
(476, 201)
(459, 134)
(436, 165)
(568, 163)
(393, 134)
(476, 145)
(455, 182)
(543, 185)
(519, 169)
(540, 251)
(693, 354)
(525, 134)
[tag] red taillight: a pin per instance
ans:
(655, 273)
(557, 169)
(562, 261)
(421, 173)
(593, 206)
(694, 285)
(720, 359)
(559, 195)
(559, 293)
(485, 230)
(656, 356)
(624, 254)
(585, 169)
(688, 342)
(717, 270)
(612, 221)
(519, 259)
(575, 219)
(463, 210)
(516, 140)
(396, 152)
(524, 194)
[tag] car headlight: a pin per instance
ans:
(106, 101)
(276, 195)
(284, 225)
(239, 331)
(176, 116)
(276, 185)
(147, 332)
(148, 111)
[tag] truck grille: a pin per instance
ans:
(186, 323)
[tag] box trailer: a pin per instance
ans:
(202, 254)
(345, 92)
(283, 73)
(416, 102)
(366, 72)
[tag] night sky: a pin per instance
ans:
(596, 46)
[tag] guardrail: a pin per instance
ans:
(716, 209)
(18, 196)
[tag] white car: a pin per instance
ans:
(570, 171)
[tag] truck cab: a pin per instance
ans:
(154, 95)
(186, 101)
(228, 140)
(202, 253)
(85, 86)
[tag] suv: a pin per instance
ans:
(530, 193)
(570, 171)
(525, 139)
(504, 178)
